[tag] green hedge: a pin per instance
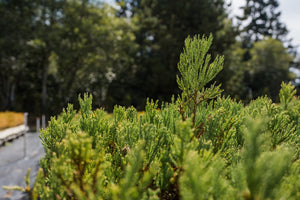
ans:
(199, 146)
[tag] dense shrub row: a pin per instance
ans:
(199, 146)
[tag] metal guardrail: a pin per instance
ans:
(15, 132)
(12, 133)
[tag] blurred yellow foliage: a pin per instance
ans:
(10, 119)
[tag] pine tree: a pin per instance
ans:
(261, 18)
(162, 27)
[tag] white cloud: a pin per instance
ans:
(290, 15)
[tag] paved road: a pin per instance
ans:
(15, 158)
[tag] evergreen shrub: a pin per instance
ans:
(199, 146)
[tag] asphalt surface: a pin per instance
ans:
(15, 159)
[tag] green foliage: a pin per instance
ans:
(291, 183)
(161, 28)
(261, 169)
(204, 177)
(268, 67)
(196, 71)
(16, 22)
(287, 93)
(194, 65)
(224, 150)
(55, 50)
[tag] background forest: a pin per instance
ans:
(53, 50)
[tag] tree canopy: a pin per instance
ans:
(261, 18)
(162, 27)
(268, 66)
(53, 50)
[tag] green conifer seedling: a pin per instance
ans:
(286, 94)
(196, 71)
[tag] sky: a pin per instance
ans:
(290, 16)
